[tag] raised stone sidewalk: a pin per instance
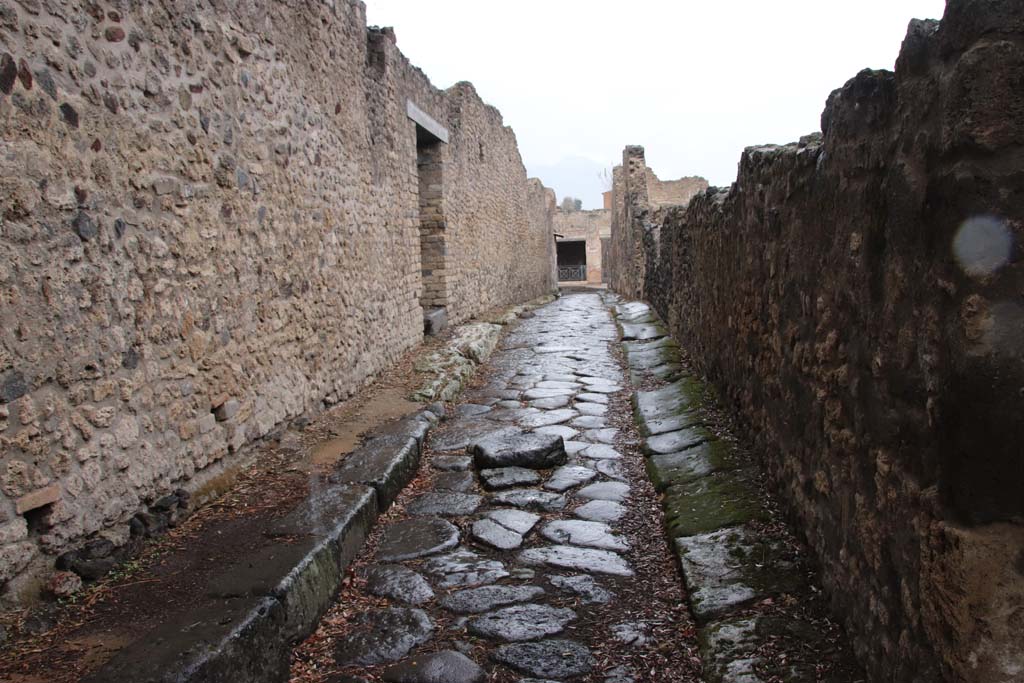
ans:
(759, 616)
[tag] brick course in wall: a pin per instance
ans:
(219, 206)
(877, 368)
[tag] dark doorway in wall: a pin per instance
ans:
(433, 244)
(572, 261)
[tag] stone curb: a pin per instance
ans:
(448, 368)
(708, 497)
(255, 611)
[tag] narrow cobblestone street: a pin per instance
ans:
(530, 546)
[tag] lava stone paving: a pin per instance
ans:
(530, 547)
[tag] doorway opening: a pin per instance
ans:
(572, 261)
(433, 245)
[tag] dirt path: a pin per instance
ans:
(541, 557)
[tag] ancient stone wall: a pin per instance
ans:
(497, 255)
(630, 210)
(857, 299)
(637, 197)
(662, 193)
(590, 226)
(209, 226)
(542, 205)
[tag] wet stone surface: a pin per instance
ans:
(451, 463)
(558, 659)
(585, 586)
(569, 476)
(398, 583)
(600, 511)
(506, 477)
(583, 533)
(444, 503)
(522, 622)
(516, 520)
(543, 569)
(485, 598)
(448, 666)
(464, 568)
(385, 635)
(518, 449)
(580, 559)
(412, 538)
(490, 533)
(455, 481)
(615, 491)
(530, 498)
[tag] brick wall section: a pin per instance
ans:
(879, 378)
(215, 208)
(590, 226)
(433, 237)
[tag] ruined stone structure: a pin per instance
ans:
(591, 229)
(637, 195)
(216, 218)
(856, 298)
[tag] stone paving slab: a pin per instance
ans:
(731, 568)
(732, 650)
(448, 666)
(674, 399)
(718, 500)
(668, 469)
(680, 440)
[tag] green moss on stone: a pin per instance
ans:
(713, 502)
(669, 469)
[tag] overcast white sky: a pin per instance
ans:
(694, 81)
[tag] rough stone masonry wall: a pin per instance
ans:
(498, 256)
(679, 192)
(209, 226)
(881, 380)
(637, 199)
(590, 226)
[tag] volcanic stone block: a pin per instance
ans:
(411, 538)
(672, 442)
(668, 469)
(730, 568)
(383, 635)
(519, 449)
(559, 659)
(398, 583)
(580, 559)
(522, 622)
(484, 598)
(447, 666)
